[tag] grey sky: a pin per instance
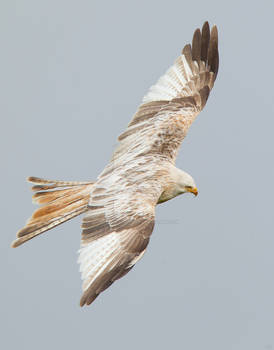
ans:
(72, 75)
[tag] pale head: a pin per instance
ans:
(184, 182)
(180, 182)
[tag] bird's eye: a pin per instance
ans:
(188, 187)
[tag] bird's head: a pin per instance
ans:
(185, 183)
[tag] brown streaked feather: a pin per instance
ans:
(131, 131)
(147, 111)
(35, 230)
(39, 180)
(188, 55)
(50, 196)
(44, 187)
(53, 210)
(49, 206)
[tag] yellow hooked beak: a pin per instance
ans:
(193, 190)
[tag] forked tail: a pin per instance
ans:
(60, 201)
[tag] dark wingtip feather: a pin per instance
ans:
(87, 299)
(205, 26)
(213, 57)
(214, 34)
(205, 41)
(196, 45)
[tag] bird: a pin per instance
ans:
(119, 207)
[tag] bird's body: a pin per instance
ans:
(120, 205)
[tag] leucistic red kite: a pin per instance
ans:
(120, 205)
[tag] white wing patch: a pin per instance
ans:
(96, 256)
(172, 83)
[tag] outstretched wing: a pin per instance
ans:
(116, 232)
(169, 108)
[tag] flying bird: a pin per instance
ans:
(120, 205)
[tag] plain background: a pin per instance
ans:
(72, 75)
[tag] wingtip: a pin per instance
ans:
(83, 300)
(205, 26)
(197, 32)
(87, 299)
(186, 50)
(214, 33)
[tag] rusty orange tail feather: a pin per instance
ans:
(60, 201)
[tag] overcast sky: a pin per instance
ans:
(72, 75)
